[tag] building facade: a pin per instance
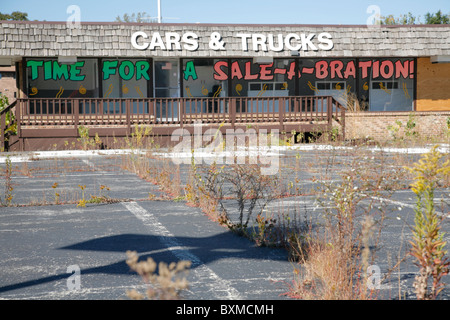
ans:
(364, 68)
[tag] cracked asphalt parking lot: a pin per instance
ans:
(42, 242)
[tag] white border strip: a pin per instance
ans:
(38, 155)
(270, 151)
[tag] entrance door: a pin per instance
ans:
(167, 85)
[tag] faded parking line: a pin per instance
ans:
(219, 286)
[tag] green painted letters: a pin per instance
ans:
(190, 71)
(34, 68)
(122, 70)
(109, 68)
(59, 71)
(75, 72)
(55, 71)
(142, 68)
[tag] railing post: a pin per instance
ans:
(182, 110)
(330, 112)
(343, 123)
(18, 117)
(128, 119)
(301, 103)
(76, 113)
(232, 103)
(152, 110)
(281, 106)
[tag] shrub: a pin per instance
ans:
(240, 182)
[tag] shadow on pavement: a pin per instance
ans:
(206, 249)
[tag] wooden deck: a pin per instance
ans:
(61, 118)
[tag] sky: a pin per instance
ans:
(228, 11)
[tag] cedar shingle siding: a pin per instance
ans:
(39, 39)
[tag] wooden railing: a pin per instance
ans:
(73, 112)
(98, 111)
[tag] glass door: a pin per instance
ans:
(167, 85)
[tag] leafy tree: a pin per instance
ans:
(15, 16)
(403, 19)
(437, 18)
(135, 17)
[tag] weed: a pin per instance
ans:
(8, 193)
(166, 284)
(98, 142)
(103, 197)
(191, 188)
(10, 118)
(179, 198)
(263, 232)
(138, 137)
(400, 132)
(353, 104)
(103, 187)
(325, 276)
(82, 202)
(335, 258)
(428, 246)
(447, 132)
(334, 134)
(84, 139)
(25, 170)
(410, 126)
(54, 186)
(394, 129)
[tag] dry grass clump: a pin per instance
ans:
(164, 282)
(333, 261)
(354, 104)
(333, 269)
(326, 274)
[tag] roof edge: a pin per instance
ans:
(233, 24)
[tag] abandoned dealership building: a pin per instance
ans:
(110, 77)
